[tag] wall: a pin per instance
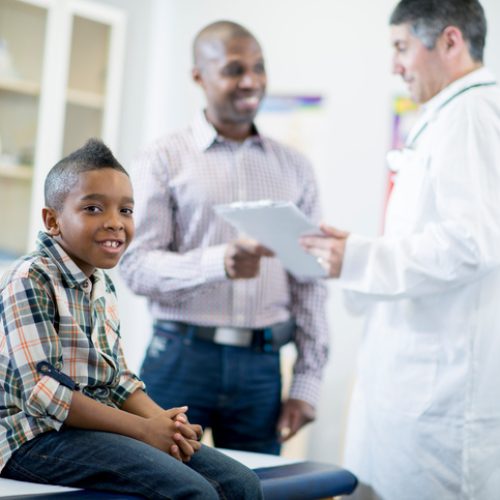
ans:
(337, 48)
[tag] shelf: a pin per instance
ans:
(86, 99)
(19, 86)
(58, 61)
(20, 172)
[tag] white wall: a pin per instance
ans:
(337, 48)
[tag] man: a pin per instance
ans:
(425, 421)
(223, 305)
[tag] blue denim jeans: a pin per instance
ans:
(235, 391)
(114, 463)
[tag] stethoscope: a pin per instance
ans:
(396, 158)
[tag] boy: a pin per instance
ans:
(71, 413)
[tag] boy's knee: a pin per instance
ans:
(193, 491)
(249, 485)
(245, 485)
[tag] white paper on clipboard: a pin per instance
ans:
(278, 226)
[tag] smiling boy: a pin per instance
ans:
(66, 393)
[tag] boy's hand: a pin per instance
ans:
(192, 433)
(189, 431)
(162, 432)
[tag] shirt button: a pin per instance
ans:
(58, 366)
(85, 284)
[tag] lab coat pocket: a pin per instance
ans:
(411, 380)
(407, 199)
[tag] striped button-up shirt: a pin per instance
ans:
(177, 257)
(50, 311)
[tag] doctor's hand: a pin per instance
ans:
(242, 258)
(295, 413)
(328, 248)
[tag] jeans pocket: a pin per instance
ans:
(163, 353)
(22, 465)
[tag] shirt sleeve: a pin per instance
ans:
(28, 315)
(308, 308)
(149, 266)
(128, 383)
(461, 245)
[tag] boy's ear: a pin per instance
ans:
(49, 216)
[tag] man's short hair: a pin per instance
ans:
(218, 32)
(428, 19)
(93, 155)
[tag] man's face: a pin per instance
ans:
(234, 80)
(95, 225)
(422, 69)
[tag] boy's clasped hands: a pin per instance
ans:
(170, 431)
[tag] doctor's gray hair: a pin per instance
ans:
(428, 19)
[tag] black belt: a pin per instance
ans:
(268, 339)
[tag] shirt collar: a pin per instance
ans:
(478, 76)
(70, 272)
(431, 108)
(205, 135)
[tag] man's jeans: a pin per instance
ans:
(236, 391)
(115, 463)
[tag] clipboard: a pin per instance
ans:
(278, 226)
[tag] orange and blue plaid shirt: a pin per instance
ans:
(51, 312)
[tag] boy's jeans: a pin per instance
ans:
(111, 462)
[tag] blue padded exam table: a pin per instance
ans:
(281, 479)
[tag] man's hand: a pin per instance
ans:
(242, 258)
(295, 413)
(328, 248)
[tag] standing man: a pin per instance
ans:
(223, 305)
(425, 421)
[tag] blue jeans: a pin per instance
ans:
(114, 463)
(235, 391)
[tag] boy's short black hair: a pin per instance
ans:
(93, 155)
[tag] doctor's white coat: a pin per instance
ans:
(425, 415)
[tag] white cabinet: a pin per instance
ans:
(60, 79)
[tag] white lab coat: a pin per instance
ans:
(425, 413)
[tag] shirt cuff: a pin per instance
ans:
(127, 386)
(212, 263)
(49, 398)
(305, 388)
(356, 256)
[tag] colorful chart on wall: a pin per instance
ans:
(293, 120)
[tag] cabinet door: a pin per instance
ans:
(95, 74)
(22, 44)
(85, 96)
(60, 83)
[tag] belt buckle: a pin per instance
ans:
(238, 337)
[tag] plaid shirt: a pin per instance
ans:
(177, 256)
(50, 311)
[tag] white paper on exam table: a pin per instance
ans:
(278, 226)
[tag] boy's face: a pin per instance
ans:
(95, 225)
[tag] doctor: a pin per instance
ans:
(425, 416)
